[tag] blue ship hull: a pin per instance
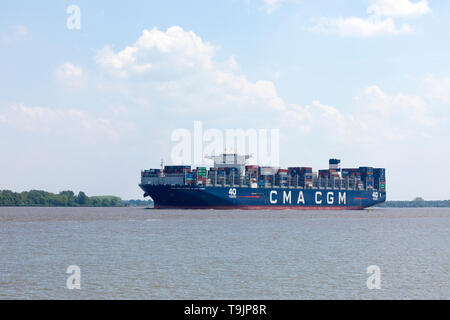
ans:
(215, 197)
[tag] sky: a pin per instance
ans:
(90, 96)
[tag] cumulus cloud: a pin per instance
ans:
(316, 113)
(185, 75)
(398, 115)
(16, 33)
(438, 88)
(359, 27)
(378, 117)
(178, 64)
(62, 121)
(379, 23)
(175, 49)
(328, 124)
(271, 5)
(398, 8)
(69, 74)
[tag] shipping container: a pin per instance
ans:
(265, 171)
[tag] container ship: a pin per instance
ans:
(231, 184)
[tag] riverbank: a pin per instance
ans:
(40, 198)
(416, 204)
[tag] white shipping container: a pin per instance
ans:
(268, 171)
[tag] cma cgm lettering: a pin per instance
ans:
(331, 198)
(248, 187)
(320, 197)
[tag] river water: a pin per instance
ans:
(136, 253)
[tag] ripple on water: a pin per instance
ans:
(223, 254)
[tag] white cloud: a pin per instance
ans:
(375, 24)
(399, 107)
(175, 49)
(398, 8)
(16, 33)
(183, 67)
(217, 89)
(378, 117)
(21, 30)
(69, 74)
(316, 113)
(271, 5)
(438, 88)
(69, 70)
(63, 121)
(240, 87)
(232, 63)
(359, 27)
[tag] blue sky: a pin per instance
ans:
(86, 109)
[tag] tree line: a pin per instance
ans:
(416, 203)
(63, 199)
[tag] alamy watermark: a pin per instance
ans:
(193, 147)
(374, 280)
(74, 280)
(74, 20)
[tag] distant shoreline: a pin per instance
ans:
(40, 198)
(416, 204)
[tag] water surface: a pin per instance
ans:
(134, 253)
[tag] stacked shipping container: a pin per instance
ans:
(360, 178)
(367, 176)
(201, 175)
(177, 169)
(301, 176)
(281, 178)
(151, 172)
(380, 179)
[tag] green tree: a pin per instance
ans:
(68, 197)
(95, 202)
(82, 199)
(114, 202)
(62, 199)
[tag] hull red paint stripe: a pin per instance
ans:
(249, 207)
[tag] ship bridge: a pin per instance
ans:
(230, 160)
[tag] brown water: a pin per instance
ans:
(126, 253)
